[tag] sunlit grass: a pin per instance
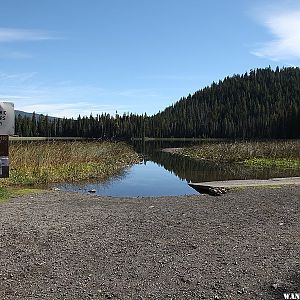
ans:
(8, 192)
(46, 162)
(279, 154)
(281, 163)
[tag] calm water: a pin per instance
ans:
(164, 174)
(147, 179)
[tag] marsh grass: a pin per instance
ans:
(279, 154)
(46, 162)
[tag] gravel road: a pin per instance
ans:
(242, 245)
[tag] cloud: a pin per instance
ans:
(14, 55)
(10, 78)
(66, 98)
(70, 110)
(8, 35)
(285, 27)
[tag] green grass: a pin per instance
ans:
(34, 163)
(277, 154)
(280, 163)
(4, 194)
(8, 192)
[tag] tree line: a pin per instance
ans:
(263, 103)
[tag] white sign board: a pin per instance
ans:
(7, 118)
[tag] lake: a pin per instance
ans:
(166, 174)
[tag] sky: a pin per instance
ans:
(69, 57)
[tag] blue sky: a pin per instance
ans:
(70, 57)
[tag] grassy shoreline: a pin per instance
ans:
(7, 193)
(260, 154)
(36, 163)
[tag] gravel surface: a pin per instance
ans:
(242, 245)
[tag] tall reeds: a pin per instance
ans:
(46, 162)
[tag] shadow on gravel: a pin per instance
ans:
(290, 286)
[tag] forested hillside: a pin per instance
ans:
(263, 103)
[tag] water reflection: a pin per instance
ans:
(203, 170)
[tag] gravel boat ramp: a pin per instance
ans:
(243, 245)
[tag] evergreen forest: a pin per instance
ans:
(262, 103)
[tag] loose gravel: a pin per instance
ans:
(242, 245)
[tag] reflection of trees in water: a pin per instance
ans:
(203, 170)
(186, 168)
(104, 182)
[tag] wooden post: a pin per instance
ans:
(4, 162)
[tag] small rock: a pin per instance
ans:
(223, 190)
(194, 246)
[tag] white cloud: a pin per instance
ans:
(14, 55)
(67, 99)
(9, 78)
(19, 35)
(70, 110)
(285, 27)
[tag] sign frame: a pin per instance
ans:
(7, 118)
(7, 127)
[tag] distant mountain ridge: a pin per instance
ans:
(29, 115)
(23, 113)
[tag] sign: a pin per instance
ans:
(7, 118)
